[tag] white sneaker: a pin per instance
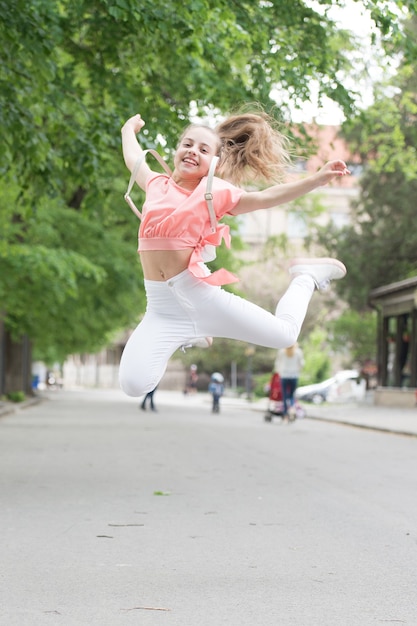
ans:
(200, 342)
(322, 270)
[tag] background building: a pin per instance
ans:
(335, 198)
(396, 304)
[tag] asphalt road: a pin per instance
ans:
(112, 516)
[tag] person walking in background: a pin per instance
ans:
(216, 388)
(192, 380)
(179, 231)
(149, 396)
(288, 364)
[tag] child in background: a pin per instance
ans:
(216, 388)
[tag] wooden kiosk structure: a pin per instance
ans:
(396, 305)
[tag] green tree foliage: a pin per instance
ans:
(380, 245)
(224, 352)
(70, 73)
(317, 362)
(356, 333)
(64, 276)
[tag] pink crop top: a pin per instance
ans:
(174, 218)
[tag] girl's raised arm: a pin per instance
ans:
(132, 150)
(281, 194)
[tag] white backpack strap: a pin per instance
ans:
(209, 196)
(134, 174)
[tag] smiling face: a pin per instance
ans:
(197, 147)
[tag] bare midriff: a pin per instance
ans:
(164, 264)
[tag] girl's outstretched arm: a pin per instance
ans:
(286, 192)
(132, 150)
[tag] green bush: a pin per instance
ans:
(16, 396)
(260, 383)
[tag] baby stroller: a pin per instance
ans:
(276, 404)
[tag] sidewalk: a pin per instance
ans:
(401, 421)
(7, 407)
(364, 414)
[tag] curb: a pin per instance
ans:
(8, 408)
(382, 429)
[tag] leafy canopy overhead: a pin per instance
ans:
(73, 70)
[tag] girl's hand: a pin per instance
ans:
(332, 169)
(135, 122)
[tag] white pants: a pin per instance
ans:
(184, 308)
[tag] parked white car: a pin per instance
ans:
(344, 386)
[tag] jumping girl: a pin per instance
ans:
(185, 302)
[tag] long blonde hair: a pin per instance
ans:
(252, 149)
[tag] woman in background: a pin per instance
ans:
(288, 364)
